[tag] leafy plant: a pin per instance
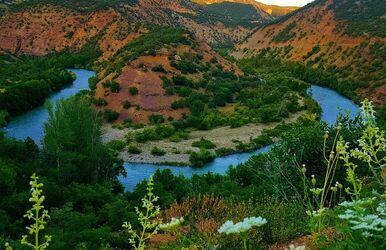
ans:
(157, 151)
(204, 144)
(242, 228)
(364, 222)
(147, 219)
(38, 215)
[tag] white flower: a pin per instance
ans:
(293, 247)
(243, 226)
(316, 213)
(172, 225)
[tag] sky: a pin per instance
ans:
(286, 2)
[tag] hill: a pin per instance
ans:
(209, 24)
(272, 10)
(344, 39)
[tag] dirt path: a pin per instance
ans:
(177, 152)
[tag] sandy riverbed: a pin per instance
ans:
(176, 152)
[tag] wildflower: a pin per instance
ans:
(147, 219)
(316, 191)
(172, 225)
(7, 246)
(293, 247)
(316, 213)
(313, 180)
(230, 228)
(304, 169)
(242, 227)
(38, 215)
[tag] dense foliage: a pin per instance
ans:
(147, 44)
(83, 5)
(87, 206)
(268, 98)
(364, 17)
(267, 62)
(26, 81)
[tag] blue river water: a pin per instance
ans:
(32, 124)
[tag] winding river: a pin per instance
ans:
(32, 124)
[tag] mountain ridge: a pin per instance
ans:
(330, 35)
(274, 10)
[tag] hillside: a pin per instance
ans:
(208, 24)
(273, 10)
(148, 70)
(346, 40)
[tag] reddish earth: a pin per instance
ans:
(47, 29)
(318, 26)
(44, 29)
(151, 98)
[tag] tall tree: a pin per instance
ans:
(73, 144)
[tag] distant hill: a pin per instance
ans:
(272, 10)
(223, 24)
(345, 38)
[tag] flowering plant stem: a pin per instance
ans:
(244, 238)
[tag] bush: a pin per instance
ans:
(115, 87)
(117, 145)
(133, 91)
(126, 104)
(204, 144)
(110, 115)
(159, 68)
(157, 151)
(99, 102)
(199, 159)
(133, 149)
(156, 119)
(224, 151)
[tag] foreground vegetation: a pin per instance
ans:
(87, 205)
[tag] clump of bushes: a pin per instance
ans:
(110, 115)
(126, 104)
(158, 132)
(204, 144)
(133, 91)
(156, 119)
(157, 151)
(224, 151)
(133, 149)
(117, 145)
(200, 158)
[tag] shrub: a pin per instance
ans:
(156, 119)
(110, 115)
(159, 68)
(204, 144)
(133, 91)
(133, 149)
(179, 104)
(224, 151)
(126, 104)
(115, 87)
(199, 159)
(157, 151)
(92, 82)
(99, 102)
(117, 145)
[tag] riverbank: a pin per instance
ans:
(178, 153)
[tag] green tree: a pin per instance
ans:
(73, 144)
